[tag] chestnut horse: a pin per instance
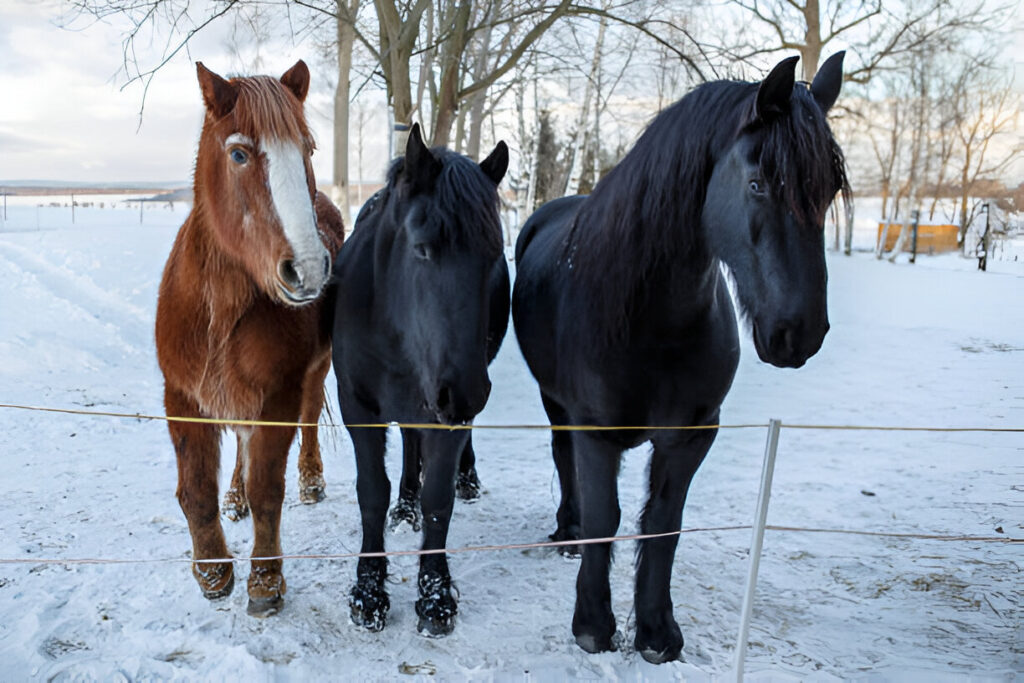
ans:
(241, 330)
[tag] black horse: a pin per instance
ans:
(422, 300)
(623, 314)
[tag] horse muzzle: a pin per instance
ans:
(300, 282)
(788, 343)
(454, 405)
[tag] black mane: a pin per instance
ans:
(637, 220)
(464, 196)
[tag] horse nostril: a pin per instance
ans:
(444, 398)
(783, 340)
(327, 265)
(289, 276)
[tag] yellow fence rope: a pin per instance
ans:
(512, 546)
(541, 427)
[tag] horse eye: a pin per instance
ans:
(239, 155)
(755, 187)
(422, 251)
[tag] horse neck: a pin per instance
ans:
(225, 288)
(640, 233)
(638, 241)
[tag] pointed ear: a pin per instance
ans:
(296, 79)
(218, 94)
(420, 166)
(828, 81)
(496, 163)
(775, 90)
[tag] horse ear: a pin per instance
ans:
(828, 81)
(496, 163)
(420, 163)
(218, 94)
(775, 90)
(296, 79)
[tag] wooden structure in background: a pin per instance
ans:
(931, 239)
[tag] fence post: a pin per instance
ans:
(916, 217)
(761, 517)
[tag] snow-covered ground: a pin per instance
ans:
(936, 343)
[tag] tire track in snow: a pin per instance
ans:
(80, 292)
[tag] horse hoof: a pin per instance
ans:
(264, 607)
(659, 642)
(435, 628)
(467, 487)
(216, 580)
(311, 490)
(235, 506)
(655, 657)
(405, 512)
(571, 551)
(436, 607)
(594, 644)
(369, 607)
(266, 591)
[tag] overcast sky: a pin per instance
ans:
(63, 115)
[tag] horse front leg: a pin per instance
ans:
(467, 487)
(368, 601)
(264, 485)
(312, 488)
(597, 468)
(407, 508)
(235, 506)
(197, 447)
(673, 464)
(436, 606)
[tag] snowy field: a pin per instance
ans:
(933, 344)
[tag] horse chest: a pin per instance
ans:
(258, 355)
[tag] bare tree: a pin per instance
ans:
(987, 108)
(876, 31)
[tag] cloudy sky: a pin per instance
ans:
(64, 115)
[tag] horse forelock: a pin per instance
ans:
(265, 109)
(465, 198)
(801, 161)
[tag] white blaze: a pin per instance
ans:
(289, 191)
(237, 139)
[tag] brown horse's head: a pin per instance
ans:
(254, 181)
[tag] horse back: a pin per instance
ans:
(557, 212)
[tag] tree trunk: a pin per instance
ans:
(452, 51)
(346, 39)
(962, 236)
(478, 99)
(582, 133)
(810, 51)
(397, 41)
(848, 212)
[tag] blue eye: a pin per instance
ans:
(239, 155)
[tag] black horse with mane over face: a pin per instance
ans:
(422, 292)
(624, 318)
